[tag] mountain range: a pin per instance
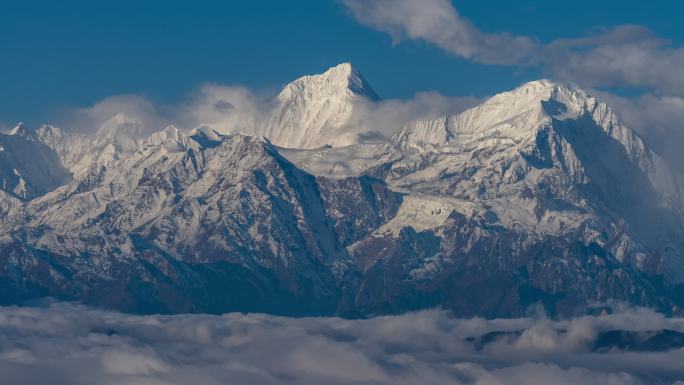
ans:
(537, 196)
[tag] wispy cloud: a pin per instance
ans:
(240, 109)
(66, 344)
(439, 22)
(225, 108)
(624, 56)
(380, 120)
(89, 119)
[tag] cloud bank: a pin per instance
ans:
(68, 344)
(229, 109)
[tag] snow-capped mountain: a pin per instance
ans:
(542, 133)
(314, 111)
(538, 195)
(533, 148)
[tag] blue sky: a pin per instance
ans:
(62, 55)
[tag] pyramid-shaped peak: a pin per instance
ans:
(120, 124)
(121, 131)
(343, 72)
(23, 131)
(19, 128)
(314, 111)
(344, 69)
(340, 78)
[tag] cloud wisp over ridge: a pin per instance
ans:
(76, 345)
(230, 109)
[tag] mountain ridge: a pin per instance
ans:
(538, 195)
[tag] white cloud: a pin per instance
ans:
(225, 108)
(377, 121)
(439, 22)
(136, 107)
(625, 56)
(67, 344)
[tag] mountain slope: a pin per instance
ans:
(28, 168)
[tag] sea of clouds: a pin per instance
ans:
(71, 344)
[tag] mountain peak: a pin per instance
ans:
(169, 136)
(205, 136)
(340, 78)
(23, 131)
(120, 123)
(315, 111)
(540, 100)
(512, 116)
(548, 90)
(121, 131)
(49, 128)
(538, 85)
(355, 81)
(19, 126)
